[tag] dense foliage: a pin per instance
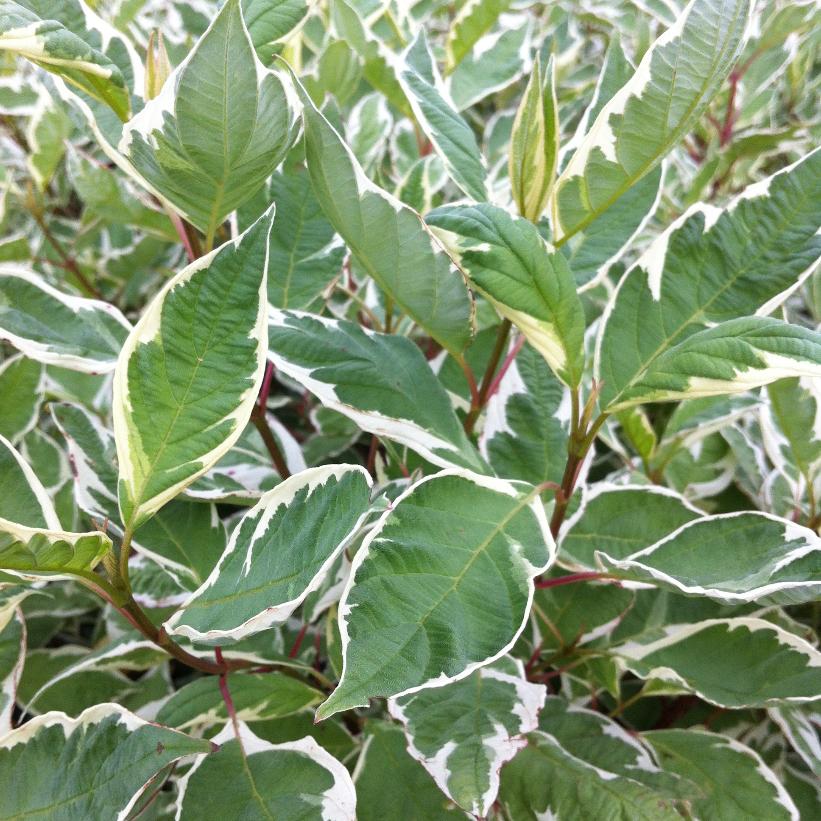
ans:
(410, 409)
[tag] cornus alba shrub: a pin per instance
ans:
(409, 410)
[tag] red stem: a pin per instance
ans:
(572, 578)
(298, 641)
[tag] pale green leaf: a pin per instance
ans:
(801, 727)
(49, 44)
(772, 561)
(647, 117)
(380, 381)
(256, 697)
(440, 587)
(279, 552)
(93, 766)
(733, 780)
(739, 662)
(451, 137)
(464, 732)
(270, 22)
(525, 279)
(58, 328)
(471, 22)
(188, 375)
(218, 129)
(712, 265)
(621, 520)
(48, 129)
(21, 386)
(389, 239)
(252, 778)
(534, 143)
(23, 499)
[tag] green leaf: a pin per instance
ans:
(218, 129)
(620, 520)
(732, 357)
(270, 22)
(48, 130)
(451, 137)
(389, 239)
(464, 732)
(773, 561)
(93, 766)
(380, 381)
(21, 386)
(304, 253)
(23, 499)
(524, 278)
(527, 422)
(471, 22)
(50, 45)
(249, 777)
(734, 663)
(711, 266)
(188, 375)
(391, 786)
(733, 779)
(534, 143)
(279, 552)
(440, 587)
(678, 76)
(57, 328)
(12, 651)
(545, 780)
(199, 704)
(800, 726)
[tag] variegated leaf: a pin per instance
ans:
(440, 587)
(188, 375)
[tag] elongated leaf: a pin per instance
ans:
(189, 373)
(271, 21)
(256, 697)
(801, 727)
(712, 265)
(385, 760)
(219, 128)
(21, 386)
(279, 552)
(56, 328)
(464, 732)
(381, 382)
(675, 80)
(440, 587)
(52, 46)
(772, 561)
(471, 22)
(741, 662)
(257, 779)
(451, 137)
(735, 782)
(525, 280)
(23, 499)
(545, 780)
(733, 357)
(527, 422)
(12, 651)
(389, 239)
(534, 144)
(621, 520)
(93, 766)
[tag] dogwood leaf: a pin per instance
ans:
(218, 129)
(56, 328)
(21, 386)
(676, 79)
(525, 280)
(279, 552)
(93, 766)
(188, 375)
(458, 554)
(740, 269)
(738, 662)
(380, 381)
(774, 561)
(295, 780)
(464, 732)
(388, 238)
